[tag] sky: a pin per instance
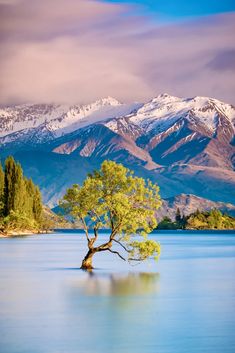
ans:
(77, 51)
(178, 9)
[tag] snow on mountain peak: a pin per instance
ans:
(165, 97)
(28, 116)
(57, 120)
(50, 121)
(165, 110)
(109, 101)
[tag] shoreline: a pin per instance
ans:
(26, 232)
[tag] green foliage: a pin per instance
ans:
(37, 204)
(46, 224)
(178, 216)
(18, 221)
(213, 219)
(14, 187)
(114, 198)
(142, 250)
(166, 223)
(179, 223)
(20, 199)
(1, 190)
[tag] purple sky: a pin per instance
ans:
(76, 51)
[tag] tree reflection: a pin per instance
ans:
(120, 285)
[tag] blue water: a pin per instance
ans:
(185, 303)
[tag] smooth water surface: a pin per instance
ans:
(185, 303)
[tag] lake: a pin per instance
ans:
(185, 303)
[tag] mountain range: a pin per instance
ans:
(185, 145)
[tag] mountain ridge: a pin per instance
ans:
(184, 144)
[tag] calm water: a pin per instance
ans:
(184, 303)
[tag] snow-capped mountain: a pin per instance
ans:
(186, 145)
(164, 131)
(163, 111)
(158, 115)
(47, 122)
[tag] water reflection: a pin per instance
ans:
(48, 305)
(109, 305)
(119, 285)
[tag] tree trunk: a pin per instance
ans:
(87, 261)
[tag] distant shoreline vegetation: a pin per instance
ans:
(199, 220)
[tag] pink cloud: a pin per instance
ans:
(80, 50)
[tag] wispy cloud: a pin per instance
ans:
(80, 50)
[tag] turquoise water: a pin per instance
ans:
(183, 304)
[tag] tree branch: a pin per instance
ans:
(95, 233)
(115, 231)
(93, 240)
(111, 220)
(86, 229)
(123, 246)
(117, 253)
(104, 246)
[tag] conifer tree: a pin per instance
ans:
(14, 187)
(21, 199)
(37, 204)
(9, 185)
(1, 189)
(28, 202)
(178, 216)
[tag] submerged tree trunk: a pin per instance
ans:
(87, 261)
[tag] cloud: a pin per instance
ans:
(80, 50)
(224, 60)
(8, 2)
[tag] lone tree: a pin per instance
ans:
(115, 199)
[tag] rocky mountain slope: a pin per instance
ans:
(188, 204)
(185, 145)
